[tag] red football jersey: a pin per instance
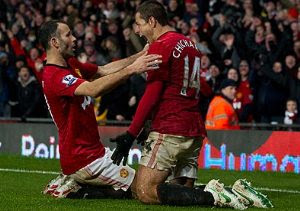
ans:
(178, 111)
(79, 141)
(244, 93)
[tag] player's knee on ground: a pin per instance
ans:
(147, 194)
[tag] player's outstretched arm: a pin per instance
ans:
(146, 105)
(104, 84)
(116, 66)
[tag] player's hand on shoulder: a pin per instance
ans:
(146, 62)
(124, 143)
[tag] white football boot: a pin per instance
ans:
(223, 198)
(249, 196)
(69, 185)
(54, 184)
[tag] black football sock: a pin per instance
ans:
(173, 194)
(99, 192)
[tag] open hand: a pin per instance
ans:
(146, 62)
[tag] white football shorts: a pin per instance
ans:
(102, 171)
(176, 154)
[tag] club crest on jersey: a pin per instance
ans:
(123, 173)
(69, 80)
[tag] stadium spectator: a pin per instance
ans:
(225, 41)
(221, 114)
(183, 27)
(137, 89)
(296, 49)
(116, 103)
(91, 54)
(133, 42)
(205, 62)
(192, 15)
(7, 78)
(272, 94)
(243, 102)
(30, 101)
(233, 74)
(112, 47)
(215, 78)
(290, 65)
(68, 93)
(175, 10)
(110, 11)
(171, 101)
(291, 113)
(205, 74)
(288, 84)
(294, 86)
(33, 58)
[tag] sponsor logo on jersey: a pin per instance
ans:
(123, 173)
(69, 80)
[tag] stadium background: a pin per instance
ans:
(104, 30)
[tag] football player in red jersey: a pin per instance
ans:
(171, 101)
(68, 92)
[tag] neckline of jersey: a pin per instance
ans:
(56, 65)
(162, 35)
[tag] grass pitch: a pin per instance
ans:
(22, 190)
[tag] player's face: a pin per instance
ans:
(67, 41)
(143, 28)
(229, 92)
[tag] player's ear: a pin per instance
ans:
(54, 42)
(152, 21)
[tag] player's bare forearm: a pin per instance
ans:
(104, 84)
(116, 66)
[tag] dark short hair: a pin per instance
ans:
(154, 9)
(227, 82)
(47, 31)
(292, 99)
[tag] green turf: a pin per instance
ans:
(22, 191)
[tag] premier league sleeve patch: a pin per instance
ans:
(69, 80)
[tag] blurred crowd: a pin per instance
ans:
(253, 42)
